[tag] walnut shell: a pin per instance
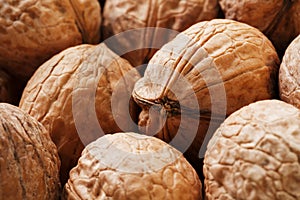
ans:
(78, 84)
(132, 166)
(29, 163)
(289, 74)
(278, 19)
(145, 20)
(32, 31)
(255, 154)
(207, 72)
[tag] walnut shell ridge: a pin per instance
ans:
(132, 166)
(255, 153)
(29, 162)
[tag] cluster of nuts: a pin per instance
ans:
(163, 99)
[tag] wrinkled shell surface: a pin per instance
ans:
(289, 74)
(125, 166)
(255, 154)
(203, 60)
(124, 15)
(29, 163)
(32, 31)
(77, 83)
(284, 15)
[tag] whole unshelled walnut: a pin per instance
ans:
(278, 19)
(255, 154)
(289, 74)
(32, 31)
(29, 163)
(132, 166)
(203, 75)
(150, 24)
(80, 94)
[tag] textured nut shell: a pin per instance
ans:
(261, 15)
(29, 163)
(289, 74)
(255, 154)
(32, 31)
(220, 54)
(93, 178)
(48, 96)
(124, 15)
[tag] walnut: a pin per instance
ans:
(150, 24)
(29, 163)
(255, 154)
(289, 74)
(32, 31)
(132, 166)
(207, 72)
(71, 94)
(278, 19)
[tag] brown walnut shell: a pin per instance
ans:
(289, 74)
(132, 166)
(32, 31)
(139, 45)
(255, 154)
(29, 163)
(71, 94)
(278, 19)
(207, 72)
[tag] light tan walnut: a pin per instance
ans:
(29, 163)
(71, 95)
(255, 154)
(32, 31)
(132, 166)
(289, 74)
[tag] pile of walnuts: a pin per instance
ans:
(163, 99)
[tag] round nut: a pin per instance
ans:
(207, 72)
(278, 19)
(289, 74)
(132, 166)
(29, 163)
(33, 31)
(255, 154)
(150, 24)
(71, 94)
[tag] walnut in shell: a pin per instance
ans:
(72, 91)
(32, 31)
(278, 19)
(289, 74)
(150, 24)
(132, 166)
(29, 163)
(207, 72)
(255, 154)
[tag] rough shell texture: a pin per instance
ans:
(255, 154)
(29, 163)
(79, 83)
(127, 166)
(32, 31)
(289, 74)
(222, 63)
(124, 15)
(278, 19)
